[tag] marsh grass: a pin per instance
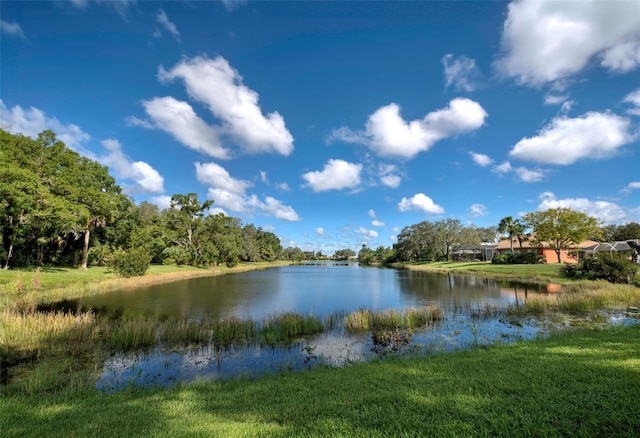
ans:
(365, 319)
(288, 326)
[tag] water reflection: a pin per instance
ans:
(319, 290)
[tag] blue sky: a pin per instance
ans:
(334, 124)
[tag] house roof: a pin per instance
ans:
(530, 243)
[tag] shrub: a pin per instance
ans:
(518, 258)
(613, 267)
(131, 263)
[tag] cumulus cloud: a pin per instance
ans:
(230, 193)
(566, 140)
(634, 99)
(367, 234)
(388, 134)
(146, 179)
(634, 185)
(336, 175)
(420, 202)
(481, 159)
(522, 173)
(180, 120)
(319, 231)
(477, 210)
(460, 72)
(216, 84)
(388, 175)
(607, 212)
(33, 121)
(168, 24)
(546, 41)
(375, 222)
(12, 29)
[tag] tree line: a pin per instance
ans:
(60, 208)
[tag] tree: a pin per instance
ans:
(512, 227)
(561, 227)
(344, 254)
(366, 255)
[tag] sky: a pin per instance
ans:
(337, 124)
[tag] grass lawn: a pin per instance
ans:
(542, 271)
(584, 383)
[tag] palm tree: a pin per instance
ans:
(512, 227)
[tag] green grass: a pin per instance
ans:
(583, 383)
(541, 272)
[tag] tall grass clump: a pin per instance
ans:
(131, 334)
(358, 320)
(365, 319)
(232, 330)
(287, 326)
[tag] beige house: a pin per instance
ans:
(569, 255)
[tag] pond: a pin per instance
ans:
(319, 289)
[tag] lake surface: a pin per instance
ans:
(319, 289)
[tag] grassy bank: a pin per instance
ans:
(544, 272)
(578, 384)
(22, 288)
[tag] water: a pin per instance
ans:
(318, 289)
(312, 289)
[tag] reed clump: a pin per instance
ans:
(288, 326)
(365, 319)
(232, 330)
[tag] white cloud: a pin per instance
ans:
(460, 72)
(566, 140)
(230, 193)
(33, 121)
(375, 222)
(319, 231)
(146, 178)
(634, 185)
(168, 24)
(481, 159)
(608, 212)
(522, 173)
(548, 41)
(336, 175)
(217, 176)
(388, 176)
(368, 234)
(216, 84)
(162, 202)
(274, 207)
(12, 29)
(388, 134)
(283, 186)
(555, 99)
(634, 99)
(420, 202)
(181, 121)
(263, 177)
(528, 175)
(477, 210)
